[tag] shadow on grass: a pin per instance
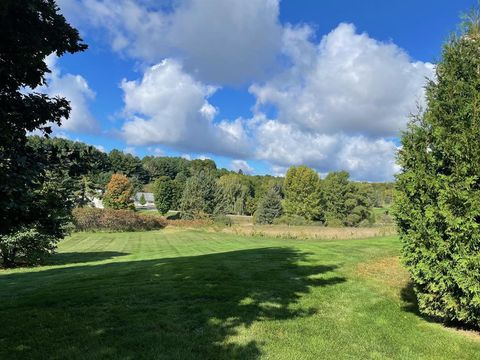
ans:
(177, 308)
(82, 257)
(411, 305)
(409, 298)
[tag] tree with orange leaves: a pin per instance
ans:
(119, 193)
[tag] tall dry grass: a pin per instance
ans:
(310, 232)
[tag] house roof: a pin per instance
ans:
(148, 196)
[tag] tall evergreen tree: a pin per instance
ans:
(438, 191)
(269, 207)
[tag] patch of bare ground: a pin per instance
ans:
(309, 232)
(387, 272)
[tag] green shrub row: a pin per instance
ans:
(93, 219)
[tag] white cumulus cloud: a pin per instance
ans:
(76, 90)
(168, 106)
(339, 103)
(220, 41)
(237, 165)
(347, 83)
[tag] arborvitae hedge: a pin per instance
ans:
(438, 191)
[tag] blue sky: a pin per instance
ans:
(258, 85)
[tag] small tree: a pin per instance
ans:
(119, 193)
(142, 200)
(163, 193)
(437, 200)
(269, 207)
(85, 191)
(302, 193)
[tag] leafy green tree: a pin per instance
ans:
(165, 166)
(129, 165)
(345, 203)
(119, 193)
(31, 30)
(302, 193)
(178, 186)
(437, 205)
(232, 195)
(199, 196)
(142, 200)
(269, 207)
(258, 187)
(163, 193)
(81, 164)
(198, 166)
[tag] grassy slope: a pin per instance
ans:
(197, 295)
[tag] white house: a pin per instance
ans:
(149, 204)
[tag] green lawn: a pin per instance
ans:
(176, 294)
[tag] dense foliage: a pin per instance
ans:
(438, 191)
(32, 213)
(163, 193)
(199, 196)
(119, 193)
(302, 193)
(93, 219)
(343, 201)
(269, 207)
(232, 195)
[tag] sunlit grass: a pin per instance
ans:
(177, 294)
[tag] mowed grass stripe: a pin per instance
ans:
(195, 294)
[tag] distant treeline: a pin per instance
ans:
(87, 170)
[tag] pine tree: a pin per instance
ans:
(437, 204)
(269, 207)
(85, 191)
(142, 200)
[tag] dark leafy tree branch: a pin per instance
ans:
(30, 30)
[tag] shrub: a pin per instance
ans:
(437, 200)
(292, 220)
(92, 219)
(27, 245)
(332, 221)
(142, 200)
